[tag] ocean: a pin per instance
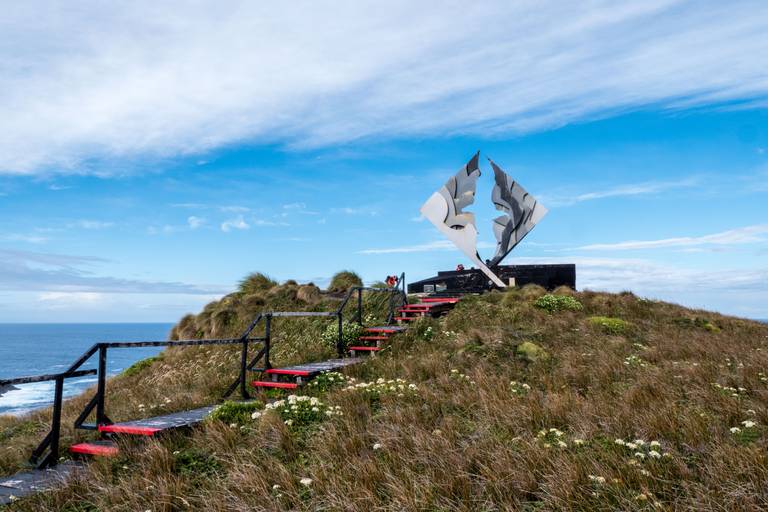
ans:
(33, 349)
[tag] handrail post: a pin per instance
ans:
(360, 306)
(53, 456)
(267, 340)
(340, 342)
(244, 369)
(102, 385)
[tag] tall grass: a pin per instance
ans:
(473, 442)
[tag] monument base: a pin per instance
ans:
(474, 281)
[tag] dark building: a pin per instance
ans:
(475, 281)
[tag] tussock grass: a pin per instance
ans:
(468, 438)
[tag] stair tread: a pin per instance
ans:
(288, 371)
(269, 384)
(373, 338)
(364, 348)
(151, 426)
(386, 328)
(101, 448)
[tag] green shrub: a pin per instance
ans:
(610, 325)
(350, 332)
(195, 462)
(257, 282)
(139, 366)
(344, 280)
(700, 323)
(235, 412)
(554, 303)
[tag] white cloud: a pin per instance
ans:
(90, 81)
(70, 298)
(30, 239)
(635, 189)
(745, 235)
(236, 223)
(364, 211)
(195, 222)
(235, 209)
(91, 224)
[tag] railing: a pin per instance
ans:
(51, 441)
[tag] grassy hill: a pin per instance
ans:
(513, 401)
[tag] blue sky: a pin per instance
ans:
(150, 159)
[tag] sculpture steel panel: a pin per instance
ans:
(445, 207)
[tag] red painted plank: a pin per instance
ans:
(104, 450)
(369, 349)
(452, 300)
(280, 371)
(129, 429)
(373, 338)
(382, 329)
(266, 384)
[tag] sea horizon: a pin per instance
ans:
(28, 349)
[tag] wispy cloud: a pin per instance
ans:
(160, 79)
(629, 190)
(364, 211)
(57, 274)
(30, 239)
(236, 223)
(745, 235)
(195, 222)
(90, 224)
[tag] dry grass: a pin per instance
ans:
(464, 441)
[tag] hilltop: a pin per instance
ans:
(514, 400)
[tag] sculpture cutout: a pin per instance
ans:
(444, 209)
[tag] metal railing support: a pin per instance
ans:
(267, 341)
(360, 306)
(101, 417)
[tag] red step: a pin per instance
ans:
(382, 329)
(129, 429)
(267, 384)
(405, 318)
(366, 349)
(279, 371)
(418, 307)
(100, 448)
(451, 300)
(373, 338)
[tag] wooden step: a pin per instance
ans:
(151, 426)
(373, 338)
(97, 448)
(267, 384)
(450, 300)
(364, 349)
(129, 429)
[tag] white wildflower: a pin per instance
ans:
(654, 454)
(597, 479)
(735, 430)
(377, 446)
(748, 423)
(255, 415)
(620, 442)
(306, 481)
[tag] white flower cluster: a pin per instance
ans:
(597, 479)
(384, 387)
(302, 410)
(728, 390)
(456, 375)
(635, 360)
(747, 424)
(519, 388)
(762, 376)
(329, 380)
(450, 334)
(551, 437)
(642, 450)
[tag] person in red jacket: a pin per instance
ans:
(391, 281)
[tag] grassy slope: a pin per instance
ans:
(462, 443)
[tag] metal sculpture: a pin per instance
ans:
(444, 209)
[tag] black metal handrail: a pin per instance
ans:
(51, 440)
